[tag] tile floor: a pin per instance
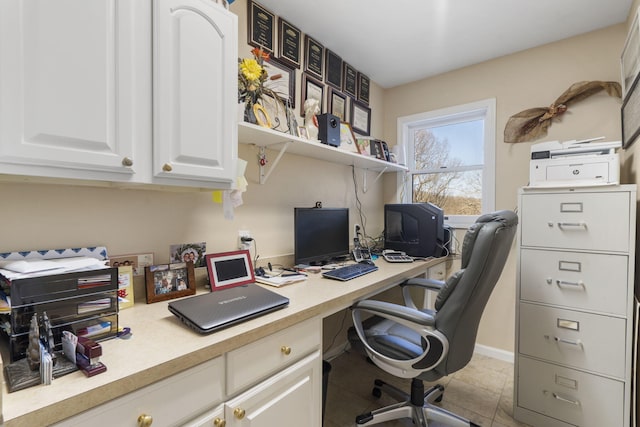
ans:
(481, 392)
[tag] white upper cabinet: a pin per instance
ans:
(74, 78)
(77, 79)
(195, 91)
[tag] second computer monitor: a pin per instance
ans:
(414, 228)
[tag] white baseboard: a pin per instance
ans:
(496, 353)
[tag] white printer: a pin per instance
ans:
(574, 163)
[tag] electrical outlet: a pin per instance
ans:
(243, 245)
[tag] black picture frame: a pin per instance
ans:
(311, 86)
(360, 118)
(350, 83)
(333, 69)
(285, 85)
(337, 104)
(630, 115)
(260, 26)
(289, 43)
(313, 57)
(363, 88)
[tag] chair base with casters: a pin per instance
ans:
(418, 406)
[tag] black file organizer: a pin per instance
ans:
(85, 303)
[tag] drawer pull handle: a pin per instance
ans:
(239, 413)
(577, 343)
(286, 350)
(145, 420)
(219, 423)
(566, 400)
(578, 284)
(572, 224)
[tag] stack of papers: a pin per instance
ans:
(278, 280)
(21, 269)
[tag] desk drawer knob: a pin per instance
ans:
(239, 413)
(145, 420)
(286, 350)
(219, 423)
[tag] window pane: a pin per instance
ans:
(452, 145)
(457, 193)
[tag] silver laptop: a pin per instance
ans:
(216, 310)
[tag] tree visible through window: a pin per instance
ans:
(451, 160)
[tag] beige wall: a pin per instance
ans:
(532, 78)
(38, 216)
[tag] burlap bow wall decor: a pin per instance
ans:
(531, 124)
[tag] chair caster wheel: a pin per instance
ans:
(376, 392)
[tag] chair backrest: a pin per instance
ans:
(462, 300)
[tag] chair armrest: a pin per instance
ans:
(396, 312)
(428, 284)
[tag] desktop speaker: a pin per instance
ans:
(329, 129)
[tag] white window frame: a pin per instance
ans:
(483, 109)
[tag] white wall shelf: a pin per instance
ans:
(270, 139)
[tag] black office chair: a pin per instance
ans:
(427, 344)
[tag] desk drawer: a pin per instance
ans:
(576, 221)
(254, 362)
(582, 340)
(170, 402)
(568, 395)
(594, 282)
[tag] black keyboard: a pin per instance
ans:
(350, 271)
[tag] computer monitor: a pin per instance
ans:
(321, 235)
(414, 228)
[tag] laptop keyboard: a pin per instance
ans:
(350, 271)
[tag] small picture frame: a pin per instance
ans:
(377, 150)
(229, 269)
(261, 26)
(302, 132)
(337, 104)
(169, 281)
(363, 145)
(347, 138)
(360, 118)
(311, 88)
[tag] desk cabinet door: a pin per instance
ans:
(290, 398)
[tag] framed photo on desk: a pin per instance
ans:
(229, 269)
(169, 281)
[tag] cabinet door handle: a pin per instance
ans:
(127, 162)
(145, 420)
(286, 350)
(239, 413)
(219, 422)
(167, 167)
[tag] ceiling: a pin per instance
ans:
(400, 41)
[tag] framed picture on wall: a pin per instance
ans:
(282, 80)
(313, 58)
(630, 115)
(333, 70)
(337, 104)
(360, 118)
(311, 88)
(363, 88)
(630, 58)
(289, 43)
(261, 26)
(350, 80)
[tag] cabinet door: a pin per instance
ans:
(195, 92)
(290, 398)
(75, 87)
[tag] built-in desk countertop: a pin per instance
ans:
(162, 346)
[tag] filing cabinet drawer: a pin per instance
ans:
(595, 282)
(253, 362)
(582, 340)
(576, 221)
(169, 402)
(571, 396)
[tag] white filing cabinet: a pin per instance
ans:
(574, 316)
